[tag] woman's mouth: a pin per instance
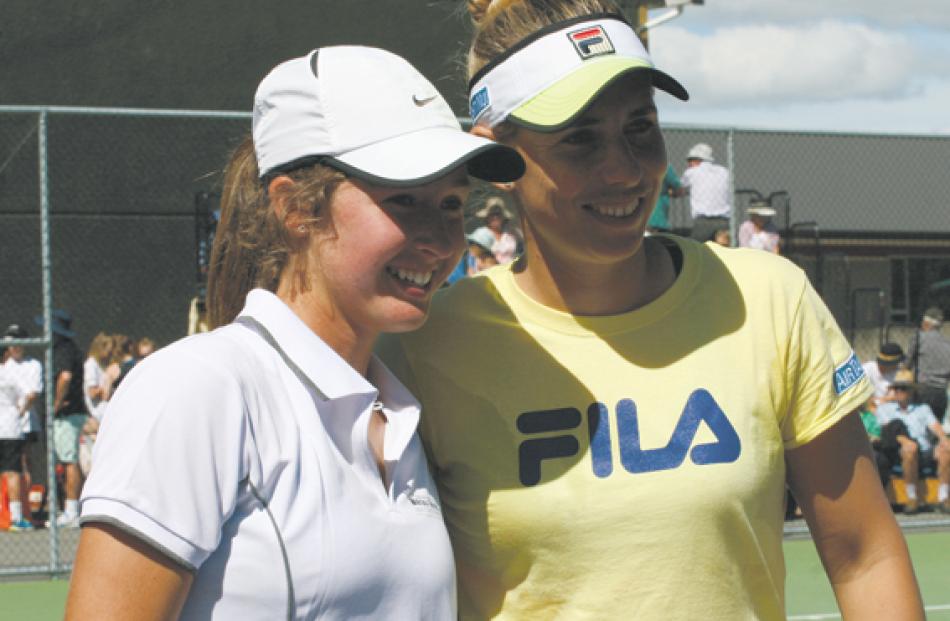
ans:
(411, 277)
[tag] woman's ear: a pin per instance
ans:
(280, 191)
(483, 131)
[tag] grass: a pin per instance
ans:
(808, 594)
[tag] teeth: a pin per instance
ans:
(615, 212)
(416, 278)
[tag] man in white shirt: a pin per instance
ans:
(710, 192)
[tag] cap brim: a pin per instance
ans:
(424, 156)
(558, 105)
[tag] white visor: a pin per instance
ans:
(549, 78)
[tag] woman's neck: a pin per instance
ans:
(591, 288)
(328, 324)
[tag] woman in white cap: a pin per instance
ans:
(759, 231)
(609, 418)
(270, 469)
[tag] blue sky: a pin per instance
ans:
(827, 65)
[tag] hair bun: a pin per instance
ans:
(483, 11)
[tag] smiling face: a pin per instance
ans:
(589, 189)
(385, 252)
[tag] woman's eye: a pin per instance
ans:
(581, 137)
(403, 200)
(639, 126)
(453, 203)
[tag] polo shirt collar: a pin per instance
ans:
(329, 372)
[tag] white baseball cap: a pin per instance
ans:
(370, 114)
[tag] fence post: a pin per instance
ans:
(46, 266)
(731, 163)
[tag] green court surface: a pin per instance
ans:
(807, 592)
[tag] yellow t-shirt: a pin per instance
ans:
(629, 466)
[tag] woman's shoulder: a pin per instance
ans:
(222, 355)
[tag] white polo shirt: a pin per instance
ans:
(203, 431)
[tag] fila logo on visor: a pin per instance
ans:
(591, 42)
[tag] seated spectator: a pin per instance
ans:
(722, 237)
(480, 253)
(497, 223)
(881, 372)
(759, 231)
(906, 428)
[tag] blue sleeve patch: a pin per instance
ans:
(848, 374)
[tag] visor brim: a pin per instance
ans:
(558, 105)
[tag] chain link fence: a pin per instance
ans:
(108, 214)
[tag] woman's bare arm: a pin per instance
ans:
(117, 576)
(834, 480)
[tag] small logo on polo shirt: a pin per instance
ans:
(591, 42)
(848, 374)
(479, 103)
(420, 497)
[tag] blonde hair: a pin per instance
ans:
(500, 24)
(100, 348)
(251, 244)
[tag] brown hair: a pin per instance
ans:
(251, 245)
(122, 347)
(500, 24)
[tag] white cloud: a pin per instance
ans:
(924, 113)
(934, 13)
(771, 64)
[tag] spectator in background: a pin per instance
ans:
(906, 425)
(758, 231)
(30, 372)
(723, 238)
(480, 253)
(143, 347)
(497, 220)
(97, 384)
(122, 359)
(710, 192)
(69, 412)
(13, 393)
(929, 357)
(659, 221)
(881, 372)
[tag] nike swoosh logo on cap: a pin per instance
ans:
(423, 101)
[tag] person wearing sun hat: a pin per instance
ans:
(270, 468)
(497, 218)
(759, 231)
(911, 424)
(613, 417)
(881, 371)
